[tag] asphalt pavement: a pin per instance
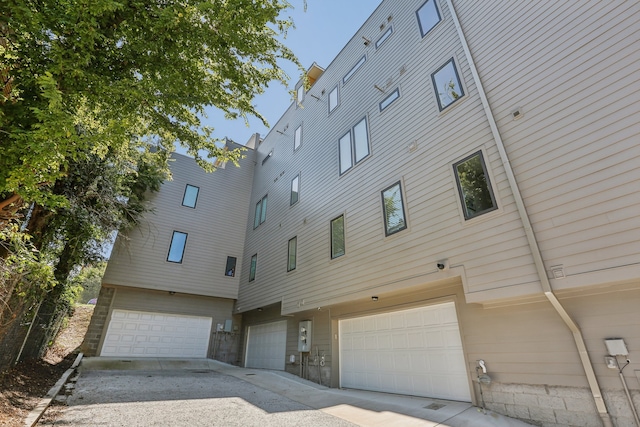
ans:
(202, 392)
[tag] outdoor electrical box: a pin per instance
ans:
(304, 336)
(227, 325)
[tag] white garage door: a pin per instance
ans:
(266, 346)
(416, 352)
(144, 334)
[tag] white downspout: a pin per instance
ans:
(531, 239)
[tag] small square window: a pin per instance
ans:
(333, 99)
(474, 186)
(261, 212)
(447, 84)
(393, 207)
(252, 268)
(295, 190)
(337, 237)
(428, 16)
(355, 68)
(291, 257)
(384, 37)
(190, 196)
(297, 138)
(353, 146)
(176, 248)
(389, 99)
(230, 269)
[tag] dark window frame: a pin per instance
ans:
(344, 239)
(230, 267)
(297, 193)
(352, 143)
(297, 140)
(487, 179)
(435, 86)
(397, 96)
(182, 250)
(184, 196)
(253, 267)
(295, 254)
(387, 231)
(260, 214)
(435, 5)
(354, 69)
(337, 90)
(384, 37)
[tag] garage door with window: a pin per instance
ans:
(416, 352)
(147, 334)
(266, 346)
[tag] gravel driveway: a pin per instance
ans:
(181, 398)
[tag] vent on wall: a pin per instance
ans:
(517, 113)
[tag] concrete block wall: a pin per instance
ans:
(96, 326)
(552, 406)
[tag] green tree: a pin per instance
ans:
(89, 280)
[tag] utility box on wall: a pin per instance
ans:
(304, 336)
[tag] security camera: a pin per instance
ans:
(440, 266)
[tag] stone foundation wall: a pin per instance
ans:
(552, 406)
(96, 326)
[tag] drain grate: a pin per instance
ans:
(435, 406)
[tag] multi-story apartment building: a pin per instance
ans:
(450, 207)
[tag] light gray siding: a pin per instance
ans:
(215, 230)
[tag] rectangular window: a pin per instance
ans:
(295, 193)
(333, 99)
(297, 138)
(261, 212)
(176, 249)
(384, 37)
(389, 99)
(474, 186)
(252, 268)
(354, 146)
(230, 269)
(393, 207)
(447, 84)
(428, 16)
(337, 237)
(190, 196)
(291, 257)
(354, 69)
(300, 94)
(267, 157)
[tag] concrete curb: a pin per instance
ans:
(36, 413)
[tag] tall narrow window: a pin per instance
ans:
(295, 190)
(176, 249)
(474, 186)
(446, 83)
(333, 99)
(300, 94)
(230, 269)
(190, 196)
(252, 268)
(393, 207)
(337, 237)
(261, 212)
(291, 258)
(353, 146)
(297, 138)
(428, 16)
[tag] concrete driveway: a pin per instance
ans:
(155, 392)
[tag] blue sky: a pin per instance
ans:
(320, 34)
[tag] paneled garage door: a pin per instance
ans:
(266, 346)
(416, 352)
(144, 334)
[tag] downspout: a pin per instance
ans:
(531, 239)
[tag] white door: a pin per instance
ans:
(266, 346)
(145, 334)
(416, 352)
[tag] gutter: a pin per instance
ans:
(531, 238)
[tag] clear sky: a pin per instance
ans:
(320, 33)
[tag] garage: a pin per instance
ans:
(415, 352)
(266, 346)
(147, 334)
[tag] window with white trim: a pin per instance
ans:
(337, 237)
(176, 248)
(384, 36)
(353, 146)
(389, 99)
(190, 196)
(333, 99)
(297, 138)
(474, 186)
(261, 212)
(446, 83)
(428, 16)
(253, 267)
(393, 208)
(355, 68)
(295, 190)
(292, 254)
